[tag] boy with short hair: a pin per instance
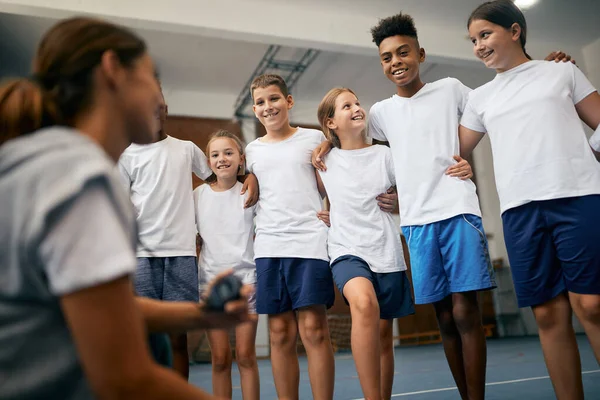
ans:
(290, 247)
(292, 264)
(440, 214)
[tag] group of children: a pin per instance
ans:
(547, 179)
(280, 240)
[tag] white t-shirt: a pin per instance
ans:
(159, 178)
(423, 134)
(72, 268)
(539, 145)
(227, 231)
(67, 225)
(353, 180)
(286, 216)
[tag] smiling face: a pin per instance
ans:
(271, 107)
(400, 58)
(224, 157)
(495, 46)
(349, 117)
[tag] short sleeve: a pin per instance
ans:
(249, 158)
(374, 129)
(595, 140)
(582, 87)
(199, 163)
(87, 244)
(471, 120)
(322, 137)
(389, 165)
(462, 93)
(196, 194)
(124, 174)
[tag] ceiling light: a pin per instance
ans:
(525, 4)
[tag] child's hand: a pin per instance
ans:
(250, 185)
(462, 169)
(319, 153)
(324, 216)
(388, 201)
(558, 56)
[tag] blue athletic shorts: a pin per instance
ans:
(285, 284)
(449, 256)
(167, 278)
(392, 288)
(554, 246)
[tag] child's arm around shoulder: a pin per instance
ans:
(250, 186)
(249, 180)
(471, 128)
(320, 185)
(388, 201)
(200, 165)
(323, 215)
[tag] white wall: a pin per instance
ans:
(591, 62)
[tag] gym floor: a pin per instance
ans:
(515, 370)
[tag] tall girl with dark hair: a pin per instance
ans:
(548, 182)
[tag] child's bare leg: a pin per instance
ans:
(467, 317)
(587, 309)
(283, 334)
(221, 359)
(314, 332)
(245, 356)
(560, 347)
(452, 343)
(181, 362)
(386, 332)
(364, 339)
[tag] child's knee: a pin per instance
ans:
(282, 332)
(465, 313)
(313, 328)
(446, 321)
(245, 357)
(365, 305)
(554, 314)
(587, 306)
(221, 361)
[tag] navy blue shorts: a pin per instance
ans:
(285, 284)
(167, 278)
(554, 246)
(392, 288)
